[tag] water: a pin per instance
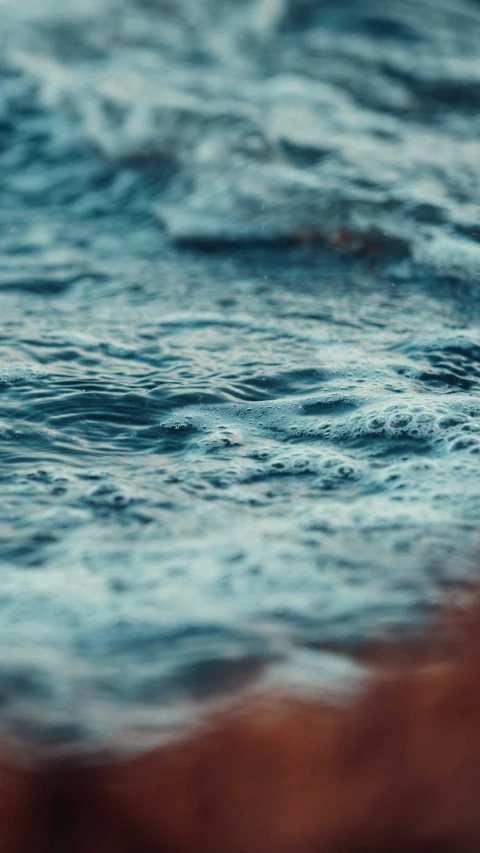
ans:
(239, 352)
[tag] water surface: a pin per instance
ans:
(239, 350)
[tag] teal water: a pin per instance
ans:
(225, 450)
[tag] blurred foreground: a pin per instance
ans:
(397, 768)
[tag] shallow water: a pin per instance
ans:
(239, 352)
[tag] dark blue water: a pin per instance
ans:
(239, 347)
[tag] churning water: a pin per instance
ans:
(239, 352)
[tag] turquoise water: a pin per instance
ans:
(231, 439)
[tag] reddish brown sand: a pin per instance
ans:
(395, 769)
